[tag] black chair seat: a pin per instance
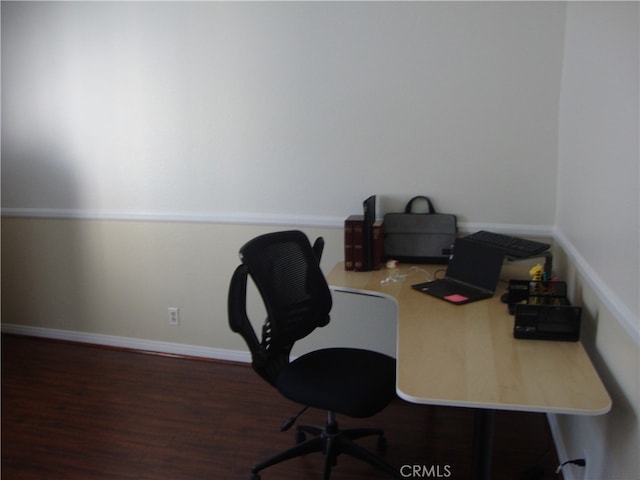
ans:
(354, 382)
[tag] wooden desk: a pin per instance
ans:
(466, 356)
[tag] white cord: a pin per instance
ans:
(396, 276)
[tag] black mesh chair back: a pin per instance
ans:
(285, 269)
(293, 288)
(355, 382)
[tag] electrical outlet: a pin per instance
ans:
(174, 316)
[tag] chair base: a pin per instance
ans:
(332, 442)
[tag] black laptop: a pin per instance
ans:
(472, 273)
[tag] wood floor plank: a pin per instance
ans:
(78, 412)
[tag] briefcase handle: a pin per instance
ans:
(409, 206)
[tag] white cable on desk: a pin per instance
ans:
(396, 276)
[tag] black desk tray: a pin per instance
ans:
(543, 311)
(547, 322)
(536, 293)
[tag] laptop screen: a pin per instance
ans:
(475, 264)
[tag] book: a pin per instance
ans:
(377, 245)
(358, 246)
(352, 223)
(369, 210)
(363, 239)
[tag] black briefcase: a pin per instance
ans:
(419, 237)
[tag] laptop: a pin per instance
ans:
(472, 273)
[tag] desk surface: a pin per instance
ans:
(465, 355)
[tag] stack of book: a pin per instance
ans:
(362, 246)
(363, 240)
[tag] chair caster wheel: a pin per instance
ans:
(300, 436)
(382, 444)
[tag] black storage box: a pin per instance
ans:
(542, 311)
(547, 322)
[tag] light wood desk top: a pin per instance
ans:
(465, 355)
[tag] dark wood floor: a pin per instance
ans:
(73, 411)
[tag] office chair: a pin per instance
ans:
(354, 382)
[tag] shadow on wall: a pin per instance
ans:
(37, 174)
(41, 261)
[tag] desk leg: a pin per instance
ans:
(482, 444)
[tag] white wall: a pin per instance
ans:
(288, 108)
(598, 215)
(219, 112)
(599, 165)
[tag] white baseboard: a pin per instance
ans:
(129, 343)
